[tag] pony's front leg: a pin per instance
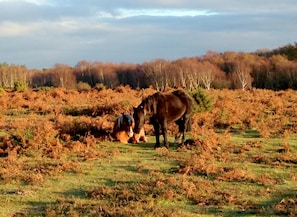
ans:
(157, 134)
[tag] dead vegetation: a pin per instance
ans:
(47, 133)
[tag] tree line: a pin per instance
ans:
(275, 69)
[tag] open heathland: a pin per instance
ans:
(58, 158)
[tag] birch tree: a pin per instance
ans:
(243, 73)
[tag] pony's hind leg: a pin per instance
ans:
(181, 130)
(184, 127)
(177, 138)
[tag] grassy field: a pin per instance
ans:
(57, 158)
(253, 177)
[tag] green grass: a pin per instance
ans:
(255, 179)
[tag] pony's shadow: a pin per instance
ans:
(143, 145)
(151, 145)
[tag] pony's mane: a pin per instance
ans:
(150, 103)
(124, 117)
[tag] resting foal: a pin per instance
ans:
(123, 128)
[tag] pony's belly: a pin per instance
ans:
(175, 115)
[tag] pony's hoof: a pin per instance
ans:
(157, 146)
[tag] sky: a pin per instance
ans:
(42, 33)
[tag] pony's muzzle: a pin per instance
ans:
(130, 132)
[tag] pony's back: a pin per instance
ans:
(185, 97)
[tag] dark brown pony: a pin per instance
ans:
(123, 128)
(163, 108)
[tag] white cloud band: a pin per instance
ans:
(122, 13)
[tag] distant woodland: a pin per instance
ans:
(268, 69)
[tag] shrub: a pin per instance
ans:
(43, 88)
(82, 86)
(20, 86)
(203, 100)
(100, 86)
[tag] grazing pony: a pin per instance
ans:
(163, 108)
(123, 128)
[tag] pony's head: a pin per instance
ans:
(148, 107)
(139, 117)
(126, 123)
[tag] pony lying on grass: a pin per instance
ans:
(123, 128)
(140, 136)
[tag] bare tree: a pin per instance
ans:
(207, 73)
(155, 72)
(4, 72)
(188, 69)
(180, 73)
(63, 76)
(9, 74)
(243, 73)
(84, 72)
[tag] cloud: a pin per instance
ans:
(121, 13)
(40, 33)
(13, 29)
(34, 2)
